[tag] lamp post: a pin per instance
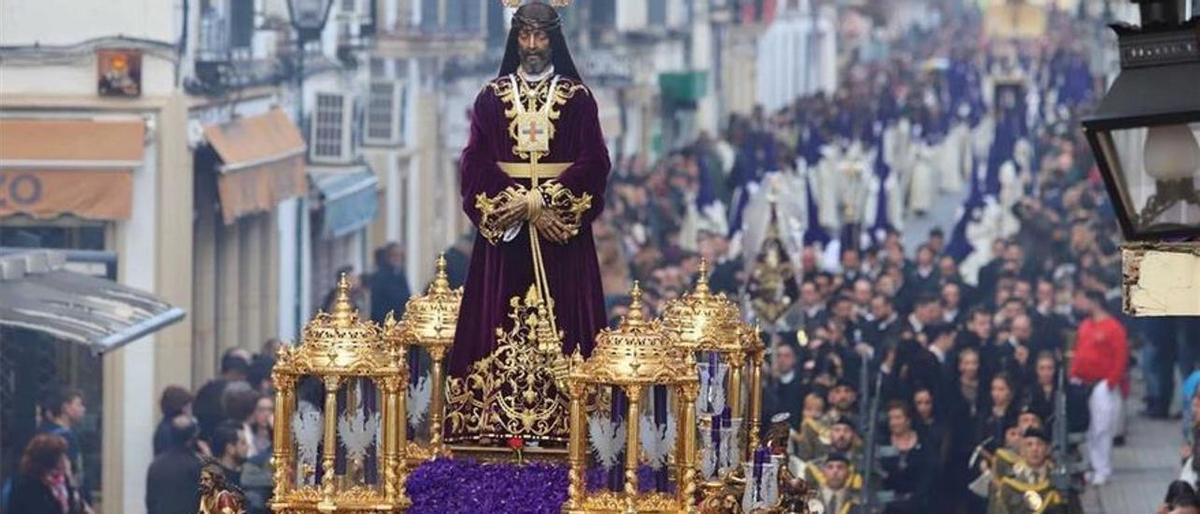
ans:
(308, 18)
(1145, 134)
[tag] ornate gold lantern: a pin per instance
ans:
(625, 364)
(710, 329)
(428, 323)
(339, 402)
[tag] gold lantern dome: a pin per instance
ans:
(430, 320)
(339, 343)
(701, 320)
(638, 351)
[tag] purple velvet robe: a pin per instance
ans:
(505, 269)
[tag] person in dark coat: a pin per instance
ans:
(235, 366)
(785, 388)
(44, 484)
(174, 401)
(171, 481)
(910, 465)
(389, 284)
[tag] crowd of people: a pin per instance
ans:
(948, 360)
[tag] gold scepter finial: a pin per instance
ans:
(342, 310)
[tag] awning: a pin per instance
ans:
(262, 163)
(51, 167)
(349, 198)
(37, 293)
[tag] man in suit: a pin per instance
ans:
(173, 476)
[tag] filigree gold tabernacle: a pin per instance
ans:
(702, 322)
(344, 354)
(429, 322)
(635, 356)
(513, 392)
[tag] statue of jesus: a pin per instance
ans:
(533, 175)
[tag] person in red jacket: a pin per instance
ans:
(1101, 359)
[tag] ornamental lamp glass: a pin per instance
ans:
(1145, 133)
(309, 16)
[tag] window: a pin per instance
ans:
(87, 237)
(430, 18)
(241, 23)
(385, 105)
(330, 136)
(657, 14)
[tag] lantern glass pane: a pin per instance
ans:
(307, 431)
(605, 440)
(1157, 175)
(359, 430)
(420, 394)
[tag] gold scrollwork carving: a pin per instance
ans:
(489, 224)
(513, 391)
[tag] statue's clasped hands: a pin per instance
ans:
(548, 222)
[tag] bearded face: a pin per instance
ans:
(533, 46)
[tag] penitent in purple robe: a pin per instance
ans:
(504, 269)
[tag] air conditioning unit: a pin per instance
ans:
(383, 124)
(331, 138)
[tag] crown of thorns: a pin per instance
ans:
(543, 20)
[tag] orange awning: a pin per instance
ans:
(51, 167)
(262, 163)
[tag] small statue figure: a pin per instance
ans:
(722, 500)
(216, 495)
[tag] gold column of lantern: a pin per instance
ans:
(635, 356)
(429, 322)
(337, 348)
(703, 322)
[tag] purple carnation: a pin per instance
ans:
(447, 486)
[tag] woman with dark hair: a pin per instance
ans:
(43, 485)
(906, 462)
(1001, 414)
(962, 406)
(1040, 396)
(929, 424)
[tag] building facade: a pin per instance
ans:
(187, 145)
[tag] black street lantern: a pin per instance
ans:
(308, 17)
(1145, 133)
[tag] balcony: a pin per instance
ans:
(225, 60)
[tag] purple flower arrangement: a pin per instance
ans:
(451, 486)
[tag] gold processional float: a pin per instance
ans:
(345, 393)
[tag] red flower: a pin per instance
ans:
(516, 442)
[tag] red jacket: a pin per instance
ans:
(1101, 353)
